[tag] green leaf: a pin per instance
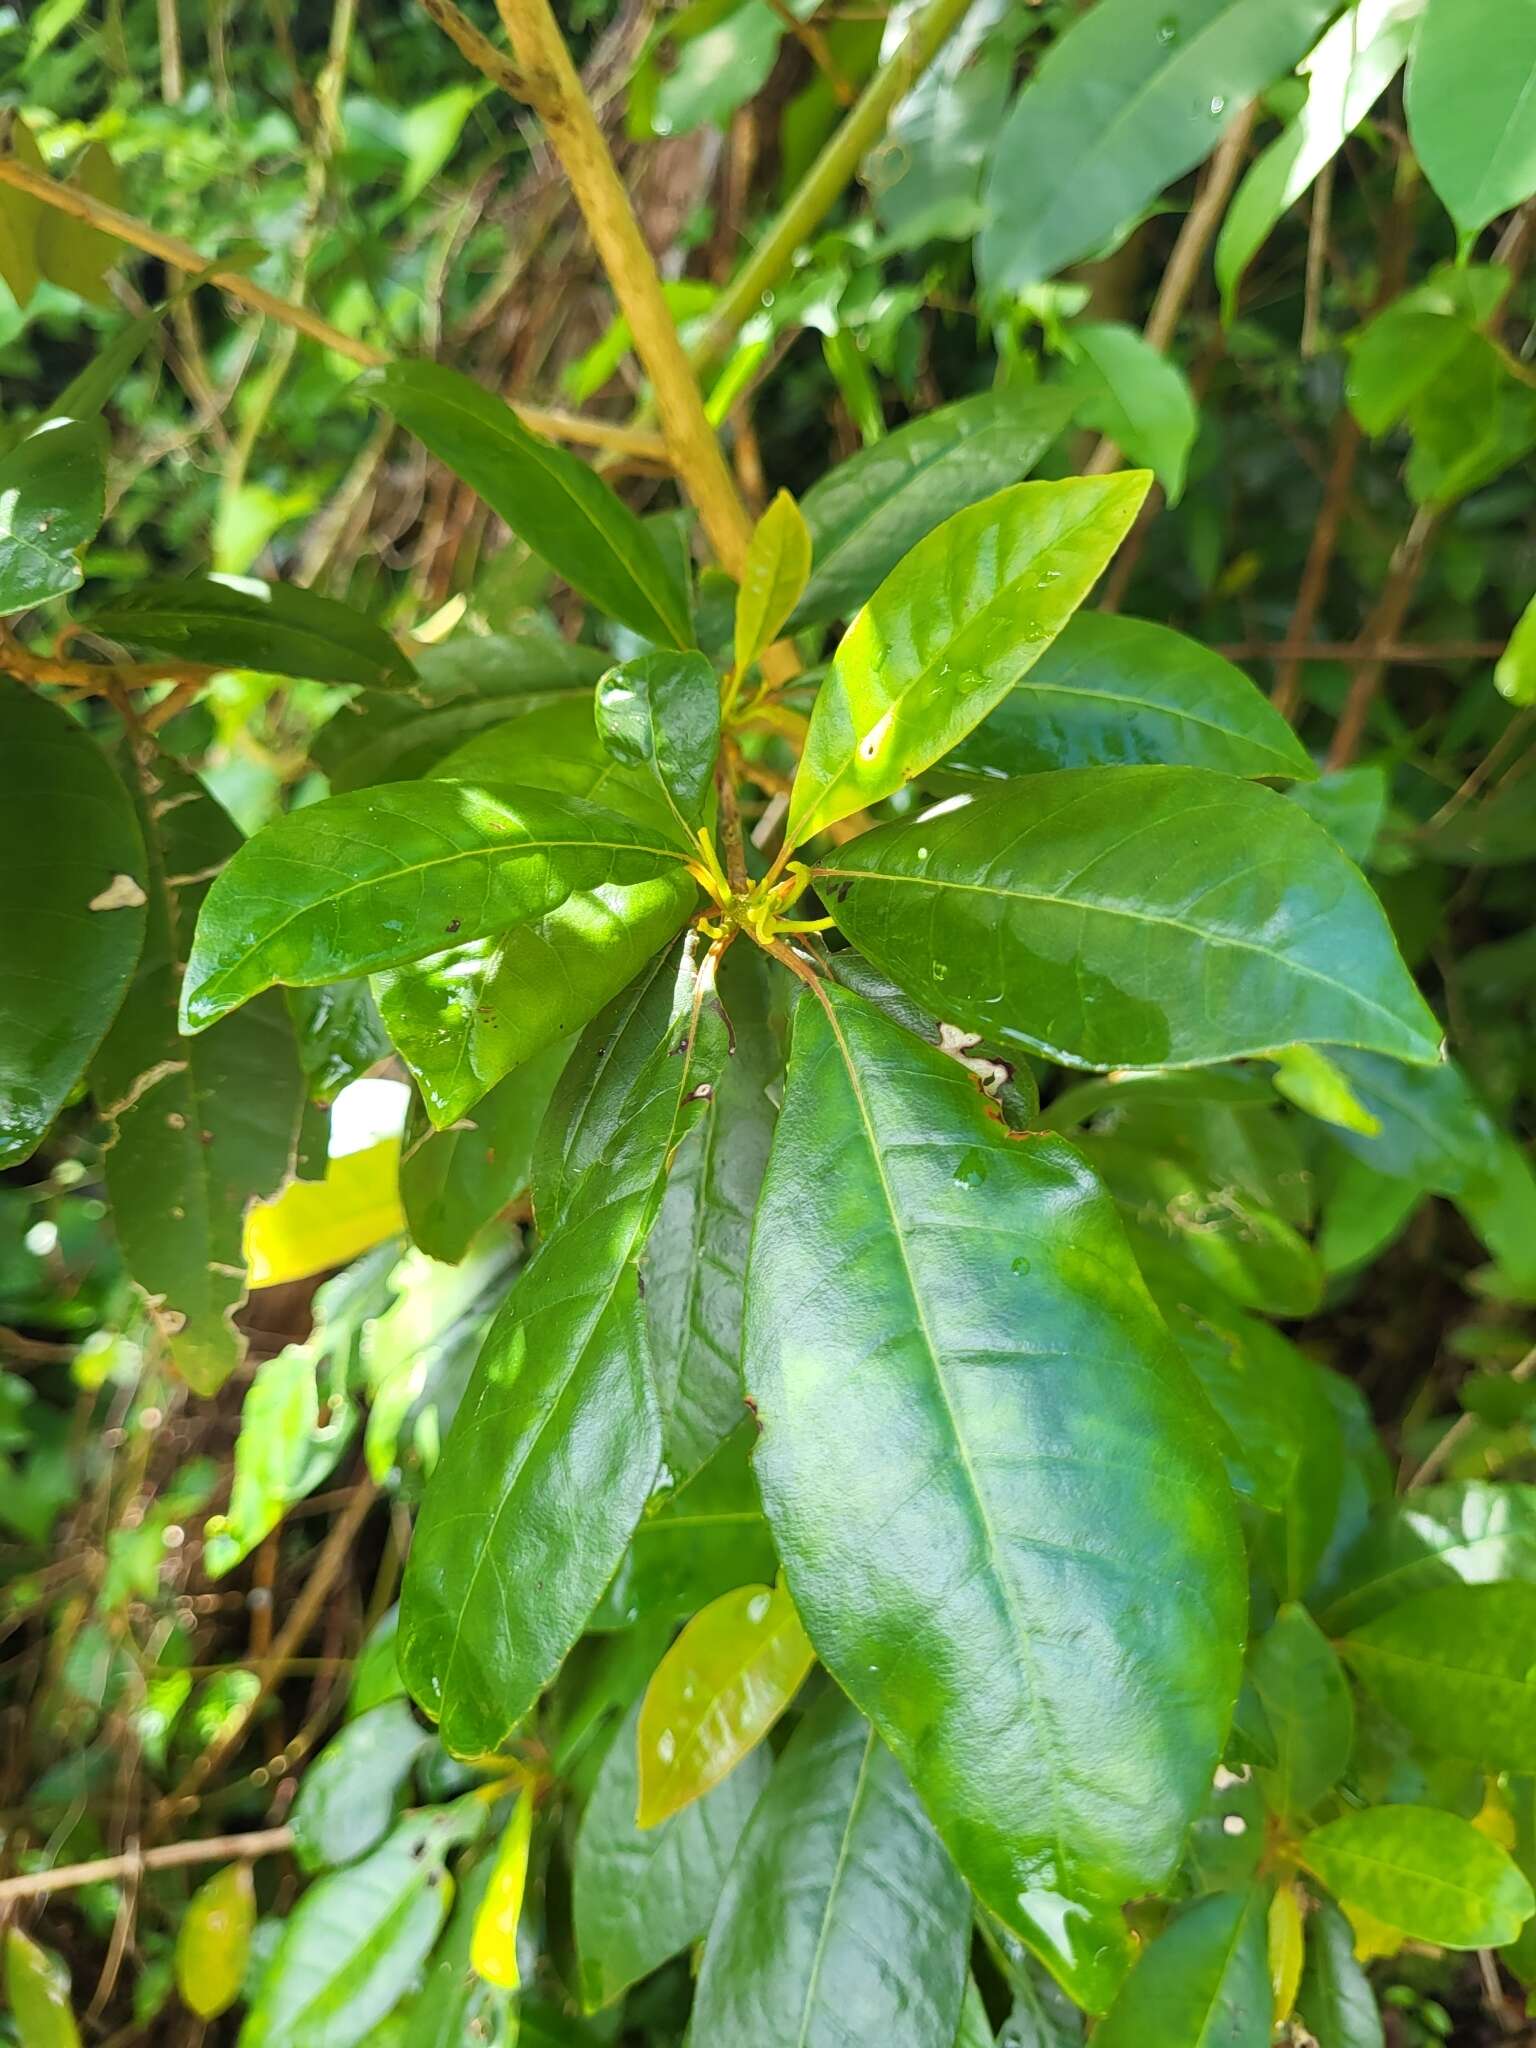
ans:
(461, 688)
(52, 498)
(643, 1895)
(696, 1258)
(1218, 921)
(37, 1991)
(773, 579)
(1336, 2002)
(1469, 1531)
(199, 1131)
(556, 745)
(21, 216)
(715, 1694)
(213, 1943)
(1471, 114)
(867, 513)
(1347, 73)
(558, 1439)
(455, 2008)
(841, 1907)
(1515, 675)
(379, 878)
(1203, 1983)
(279, 629)
(356, 1941)
(73, 919)
(550, 500)
(947, 635)
(349, 1796)
(1125, 101)
(1111, 691)
(282, 1452)
(453, 1182)
(660, 714)
(1454, 1667)
(1426, 1873)
(692, 1545)
(1306, 1700)
(71, 253)
(975, 2029)
(1133, 393)
(997, 1590)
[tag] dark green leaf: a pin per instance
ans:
(1014, 1631)
(1111, 691)
(1336, 2001)
(52, 494)
(339, 1034)
(694, 1544)
(1203, 1983)
(948, 633)
(381, 877)
(550, 500)
(349, 1796)
(238, 622)
(660, 713)
(865, 514)
(841, 1909)
(1305, 1697)
(557, 1443)
(1218, 921)
(641, 1895)
(1433, 1877)
(73, 919)
(1454, 1667)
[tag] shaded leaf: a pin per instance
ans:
(349, 1796)
(52, 497)
(660, 714)
(1335, 1999)
(239, 622)
(1306, 1701)
(454, 1182)
(1469, 1531)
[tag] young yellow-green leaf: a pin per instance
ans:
(453, 1182)
(37, 1991)
(1471, 111)
(52, 497)
(1515, 675)
(1430, 1875)
(1131, 917)
(279, 629)
(1306, 1701)
(1312, 1081)
(773, 578)
(21, 216)
(72, 922)
(1456, 1667)
(1287, 1939)
(213, 1942)
(349, 1796)
(660, 714)
(1203, 1983)
(716, 1693)
(555, 503)
(1033, 1590)
(557, 1442)
(70, 252)
(641, 1895)
(1469, 1531)
(315, 1224)
(1335, 2001)
(493, 1942)
(951, 630)
(841, 1910)
(1111, 692)
(381, 877)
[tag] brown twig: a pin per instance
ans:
(35, 1884)
(1382, 628)
(1460, 1429)
(1347, 438)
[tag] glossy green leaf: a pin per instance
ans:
(73, 920)
(52, 494)
(37, 1991)
(975, 2029)
(1203, 1983)
(1010, 1083)
(1306, 1700)
(696, 1258)
(642, 1895)
(1015, 1634)
(1427, 1873)
(555, 503)
(493, 1939)
(1335, 2001)
(660, 714)
(356, 1940)
(284, 1449)
(1139, 397)
(556, 745)
(381, 877)
(715, 1694)
(947, 635)
(557, 1442)
(457, 2009)
(1351, 67)
(1111, 691)
(198, 1130)
(240, 622)
(349, 1796)
(869, 511)
(462, 688)
(453, 1182)
(696, 1543)
(213, 1941)
(1217, 921)
(840, 1909)
(1468, 1532)
(1471, 113)
(1127, 99)
(1455, 1667)
(773, 578)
